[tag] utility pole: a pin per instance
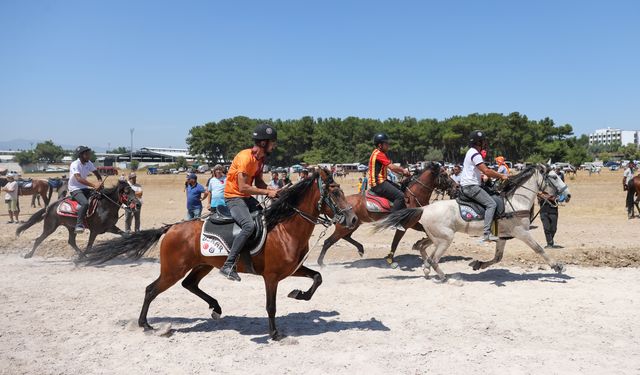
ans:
(131, 150)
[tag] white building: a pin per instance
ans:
(608, 136)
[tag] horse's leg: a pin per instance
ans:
(92, 239)
(33, 200)
(191, 284)
(49, 227)
(338, 233)
(271, 286)
(441, 245)
(162, 283)
(394, 246)
(480, 265)
(72, 241)
(525, 236)
(306, 272)
(355, 243)
(422, 245)
(115, 230)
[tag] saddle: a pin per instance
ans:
(376, 203)
(220, 230)
(25, 184)
(68, 207)
(55, 183)
(471, 210)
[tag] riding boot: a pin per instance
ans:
(229, 267)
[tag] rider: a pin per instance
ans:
(79, 186)
(470, 179)
(378, 165)
(245, 169)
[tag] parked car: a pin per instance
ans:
(614, 167)
(362, 168)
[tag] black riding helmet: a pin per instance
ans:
(265, 132)
(476, 136)
(81, 149)
(380, 138)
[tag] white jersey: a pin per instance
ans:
(456, 178)
(628, 173)
(470, 174)
(83, 169)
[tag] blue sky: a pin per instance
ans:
(87, 71)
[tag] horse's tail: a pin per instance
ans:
(49, 193)
(407, 217)
(33, 220)
(133, 246)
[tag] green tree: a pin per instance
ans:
(181, 162)
(134, 165)
(49, 152)
(118, 150)
(25, 158)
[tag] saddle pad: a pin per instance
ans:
(216, 239)
(472, 211)
(376, 203)
(69, 207)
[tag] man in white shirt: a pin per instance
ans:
(79, 187)
(470, 179)
(627, 185)
(11, 198)
(128, 214)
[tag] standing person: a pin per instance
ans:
(128, 214)
(194, 197)
(455, 176)
(276, 183)
(359, 184)
(470, 181)
(503, 168)
(378, 165)
(365, 184)
(80, 188)
(285, 179)
(11, 198)
(245, 170)
(627, 185)
(549, 218)
(216, 188)
(304, 174)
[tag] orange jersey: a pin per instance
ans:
(378, 163)
(245, 162)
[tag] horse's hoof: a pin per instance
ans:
(215, 315)
(27, 256)
(440, 280)
(361, 253)
(475, 265)
(277, 336)
(393, 265)
(559, 268)
(297, 294)
(146, 327)
(321, 264)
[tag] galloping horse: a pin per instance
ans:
(38, 187)
(103, 220)
(442, 219)
(417, 194)
(290, 221)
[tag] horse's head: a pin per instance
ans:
(333, 202)
(127, 196)
(554, 186)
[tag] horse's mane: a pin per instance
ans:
(283, 207)
(516, 181)
(113, 189)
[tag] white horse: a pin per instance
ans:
(442, 219)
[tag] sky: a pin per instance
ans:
(85, 72)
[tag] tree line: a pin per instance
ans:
(349, 140)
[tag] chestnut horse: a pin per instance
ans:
(38, 186)
(290, 221)
(634, 186)
(417, 194)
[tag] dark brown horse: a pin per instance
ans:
(290, 221)
(634, 186)
(103, 220)
(417, 194)
(38, 187)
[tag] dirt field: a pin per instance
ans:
(517, 316)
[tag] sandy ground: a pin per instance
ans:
(517, 317)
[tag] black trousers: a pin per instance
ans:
(392, 193)
(549, 218)
(630, 195)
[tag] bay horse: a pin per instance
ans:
(38, 187)
(417, 194)
(634, 186)
(441, 220)
(290, 221)
(103, 220)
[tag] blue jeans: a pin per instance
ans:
(194, 212)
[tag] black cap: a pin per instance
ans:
(265, 132)
(81, 149)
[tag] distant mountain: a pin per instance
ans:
(28, 144)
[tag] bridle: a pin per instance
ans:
(415, 179)
(541, 189)
(326, 198)
(124, 200)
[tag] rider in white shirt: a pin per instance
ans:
(470, 179)
(79, 187)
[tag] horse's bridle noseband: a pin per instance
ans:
(325, 198)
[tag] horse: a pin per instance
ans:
(417, 193)
(58, 185)
(441, 220)
(38, 186)
(103, 220)
(289, 223)
(634, 186)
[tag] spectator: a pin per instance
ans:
(194, 197)
(11, 198)
(627, 185)
(285, 179)
(365, 183)
(455, 176)
(304, 174)
(276, 183)
(128, 214)
(549, 218)
(216, 188)
(503, 168)
(359, 184)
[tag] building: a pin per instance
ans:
(156, 156)
(610, 136)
